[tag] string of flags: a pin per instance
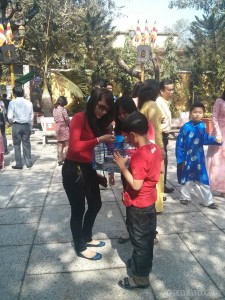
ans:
(6, 35)
(7, 48)
(150, 36)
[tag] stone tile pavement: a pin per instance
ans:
(37, 259)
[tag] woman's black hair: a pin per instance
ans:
(223, 95)
(99, 126)
(148, 92)
(136, 88)
(62, 101)
(128, 105)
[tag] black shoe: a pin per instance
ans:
(29, 166)
(212, 206)
(123, 240)
(6, 152)
(168, 189)
(16, 167)
(184, 202)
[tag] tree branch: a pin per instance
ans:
(126, 68)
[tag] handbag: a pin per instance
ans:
(102, 180)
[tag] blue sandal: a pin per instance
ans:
(96, 257)
(100, 244)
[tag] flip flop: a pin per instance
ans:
(124, 284)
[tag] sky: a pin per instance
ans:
(156, 10)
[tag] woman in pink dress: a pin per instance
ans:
(216, 154)
(62, 121)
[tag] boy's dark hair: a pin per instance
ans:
(165, 82)
(148, 92)
(99, 126)
(128, 105)
(198, 105)
(18, 91)
(136, 122)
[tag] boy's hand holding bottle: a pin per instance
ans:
(219, 139)
(120, 160)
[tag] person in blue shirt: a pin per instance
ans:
(191, 159)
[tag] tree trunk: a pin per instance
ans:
(47, 106)
(155, 63)
(129, 71)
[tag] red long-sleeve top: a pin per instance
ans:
(82, 140)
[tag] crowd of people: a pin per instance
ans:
(144, 119)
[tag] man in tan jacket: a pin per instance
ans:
(166, 93)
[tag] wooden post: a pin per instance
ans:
(142, 64)
(142, 72)
(12, 76)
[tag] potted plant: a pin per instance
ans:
(208, 122)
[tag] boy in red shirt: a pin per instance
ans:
(139, 198)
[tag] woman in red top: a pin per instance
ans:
(87, 129)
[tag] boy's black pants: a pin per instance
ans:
(142, 228)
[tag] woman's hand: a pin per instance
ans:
(107, 138)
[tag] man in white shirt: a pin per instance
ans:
(166, 93)
(20, 114)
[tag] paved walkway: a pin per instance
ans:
(37, 260)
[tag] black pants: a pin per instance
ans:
(165, 137)
(142, 228)
(80, 181)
